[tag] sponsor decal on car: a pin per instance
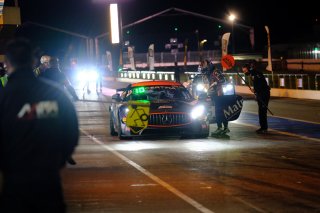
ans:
(165, 107)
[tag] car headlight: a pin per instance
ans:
(228, 89)
(200, 87)
(197, 112)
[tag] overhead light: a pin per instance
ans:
(114, 19)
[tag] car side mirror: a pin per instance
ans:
(116, 97)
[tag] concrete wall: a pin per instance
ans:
(289, 93)
(275, 92)
(304, 64)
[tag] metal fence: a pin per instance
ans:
(285, 81)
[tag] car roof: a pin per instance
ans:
(156, 83)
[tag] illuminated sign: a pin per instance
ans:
(114, 21)
(139, 90)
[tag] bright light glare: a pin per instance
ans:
(206, 146)
(200, 87)
(135, 146)
(203, 41)
(197, 112)
(114, 19)
(228, 89)
(232, 17)
(92, 75)
(87, 74)
(81, 76)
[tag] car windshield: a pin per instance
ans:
(160, 93)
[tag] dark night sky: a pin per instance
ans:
(288, 21)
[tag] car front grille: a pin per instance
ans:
(169, 119)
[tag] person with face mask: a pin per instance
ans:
(262, 92)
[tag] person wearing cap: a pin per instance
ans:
(44, 64)
(262, 92)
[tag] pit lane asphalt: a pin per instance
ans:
(277, 172)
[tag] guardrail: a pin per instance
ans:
(280, 81)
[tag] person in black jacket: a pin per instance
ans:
(54, 73)
(262, 92)
(38, 132)
(217, 79)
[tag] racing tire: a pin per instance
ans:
(112, 130)
(121, 137)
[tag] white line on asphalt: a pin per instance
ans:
(249, 204)
(293, 119)
(156, 179)
(283, 133)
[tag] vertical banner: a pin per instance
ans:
(224, 45)
(252, 38)
(269, 67)
(109, 60)
(151, 56)
(131, 58)
(114, 23)
(185, 52)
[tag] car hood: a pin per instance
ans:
(172, 105)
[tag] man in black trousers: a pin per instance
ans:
(262, 92)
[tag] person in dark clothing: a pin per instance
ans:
(38, 132)
(262, 92)
(54, 73)
(176, 72)
(217, 79)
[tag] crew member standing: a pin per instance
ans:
(38, 132)
(262, 92)
(217, 79)
(54, 73)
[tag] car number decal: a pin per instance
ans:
(138, 115)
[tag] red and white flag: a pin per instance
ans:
(224, 45)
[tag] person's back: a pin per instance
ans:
(39, 131)
(54, 74)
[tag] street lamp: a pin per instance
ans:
(201, 47)
(232, 18)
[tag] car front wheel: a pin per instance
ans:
(112, 130)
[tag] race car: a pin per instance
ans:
(166, 109)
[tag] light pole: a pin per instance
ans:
(232, 18)
(201, 47)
